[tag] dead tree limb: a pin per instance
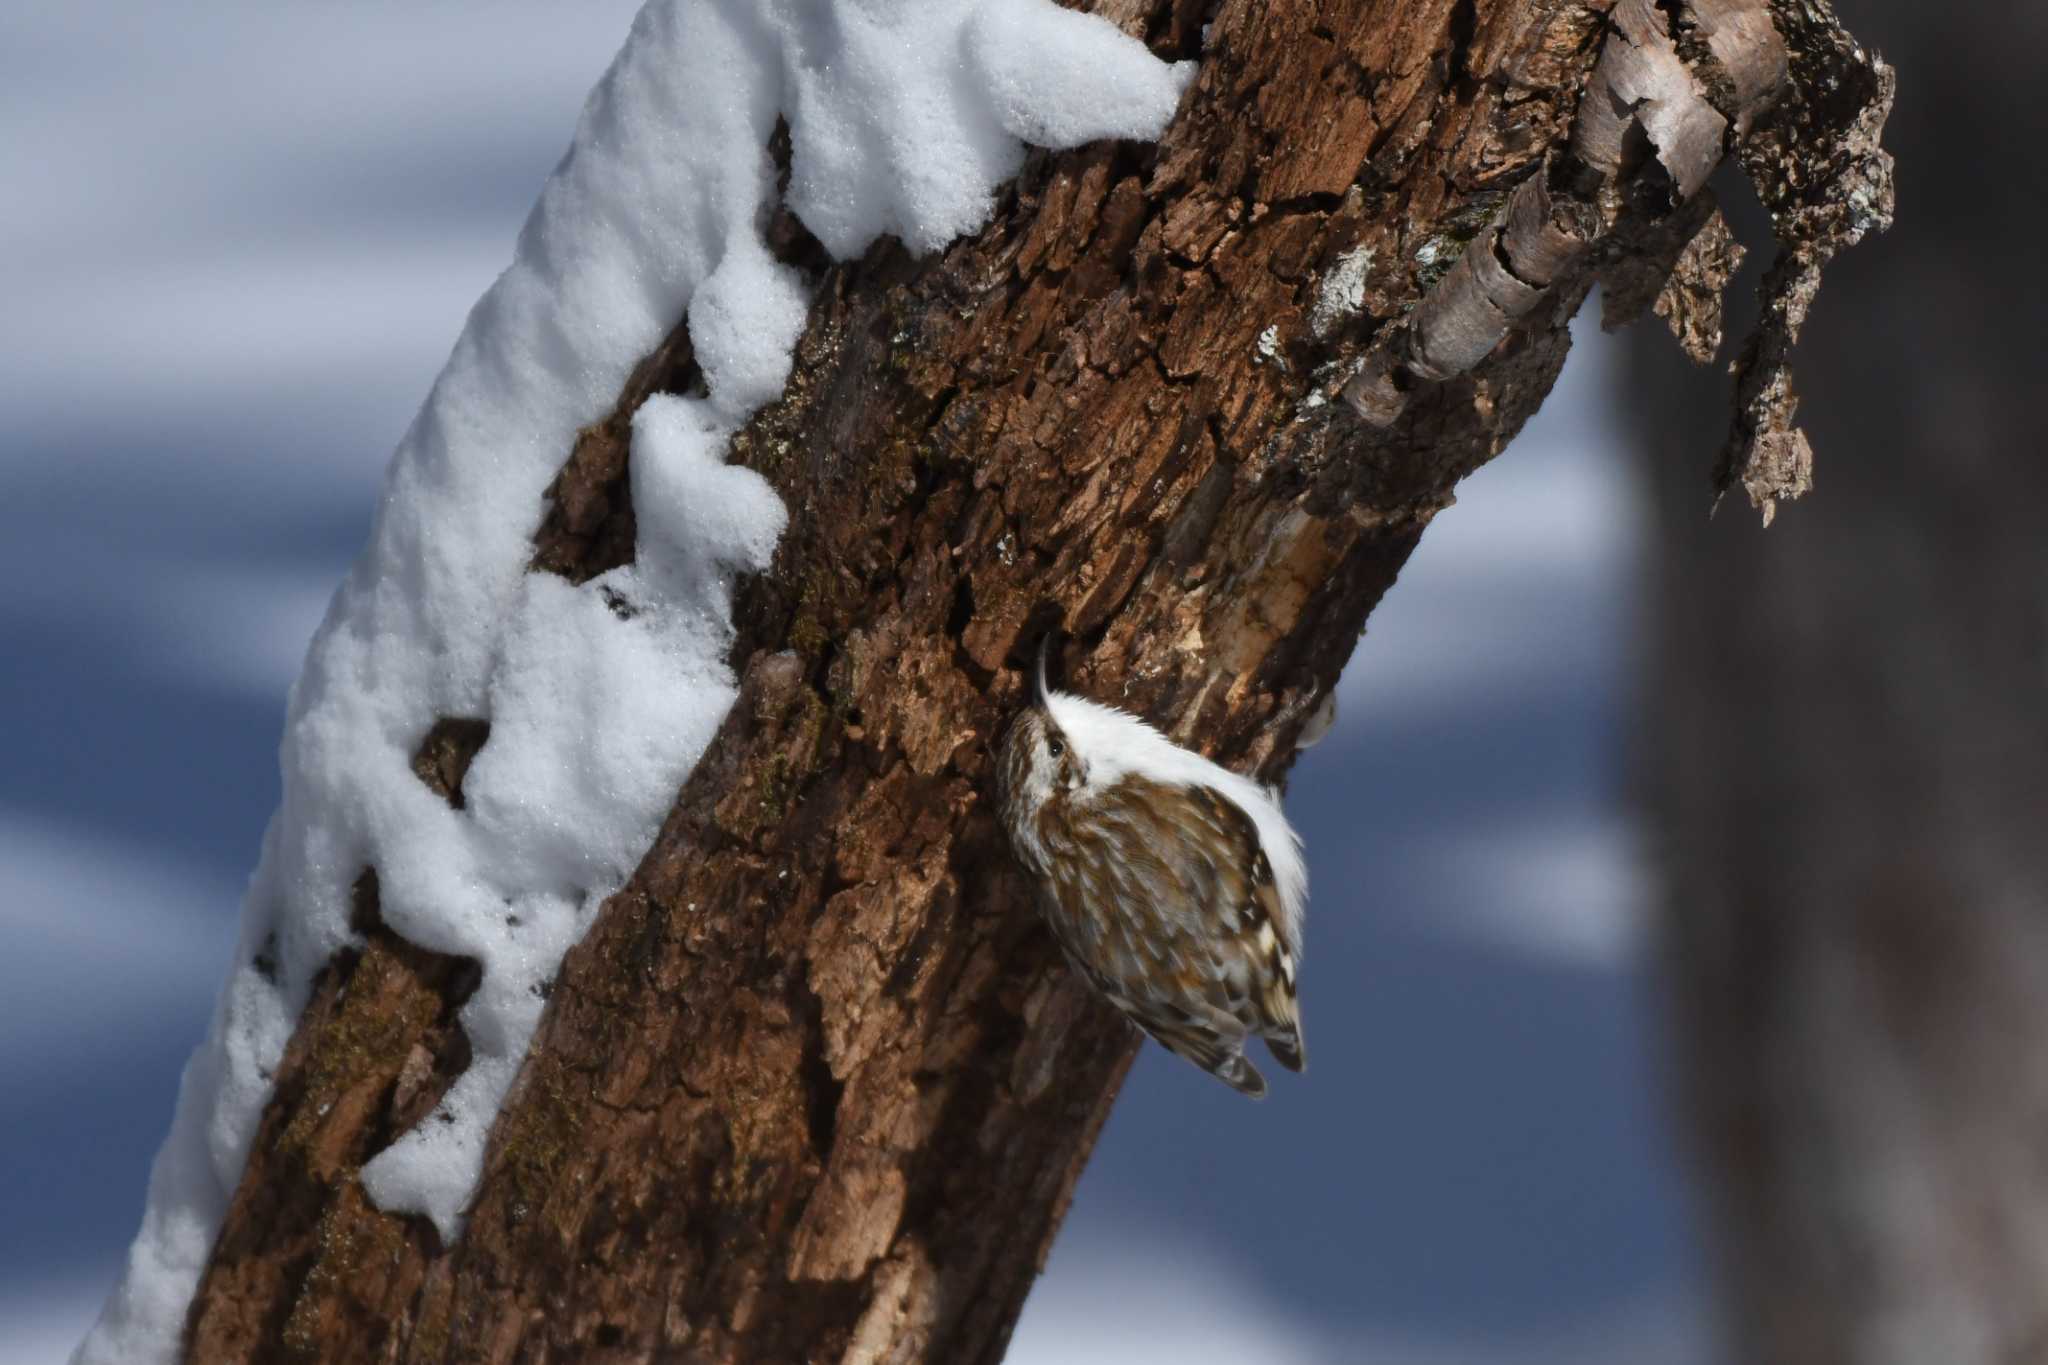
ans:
(816, 1086)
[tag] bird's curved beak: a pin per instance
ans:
(1044, 647)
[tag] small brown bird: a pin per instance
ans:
(1175, 885)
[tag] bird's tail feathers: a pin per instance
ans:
(1287, 1048)
(1209, 1052)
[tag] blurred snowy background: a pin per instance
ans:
(236, 242)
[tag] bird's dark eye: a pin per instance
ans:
(1055, 748)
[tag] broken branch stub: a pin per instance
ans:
(1676, 88)
(1817, 164)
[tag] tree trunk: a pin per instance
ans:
(1849, 750)
(816, 1086)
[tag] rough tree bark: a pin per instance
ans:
(1849, 749)
(816, 1086)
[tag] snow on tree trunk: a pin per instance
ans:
(811, 1081)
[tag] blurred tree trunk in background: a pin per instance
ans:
(816, 1086)
(1847, 737)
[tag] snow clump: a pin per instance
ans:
(904, 117)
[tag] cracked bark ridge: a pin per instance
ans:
(376, 1049)
(442, 759)
(588, 525)
(1816, 163)
(1681, 275)
(816, 1085)
(1690, 301)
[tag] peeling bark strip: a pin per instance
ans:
(816, 1087)
(1818, 168)
(1810, 146)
